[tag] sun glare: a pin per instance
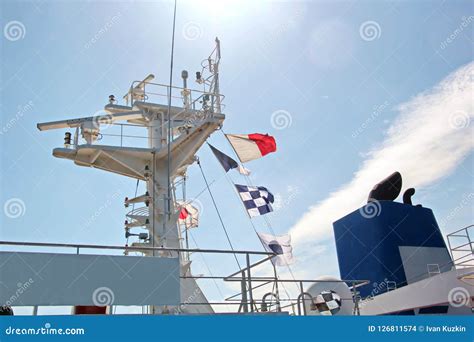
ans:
(224, 8)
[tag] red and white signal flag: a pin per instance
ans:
(251, 146)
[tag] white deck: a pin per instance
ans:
(428, 292)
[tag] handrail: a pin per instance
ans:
(144, 93)
(134, 83)
(456, 247)
(132, 248)
(463, 245)
(251, 266)
(358, 283)
(266, 280)
(253, 288)
(457, 231)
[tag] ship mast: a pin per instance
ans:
(187, 120)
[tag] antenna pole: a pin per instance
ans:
(170, 135)
(216, 75)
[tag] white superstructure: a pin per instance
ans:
(176, 130)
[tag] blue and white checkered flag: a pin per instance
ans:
(257, 199)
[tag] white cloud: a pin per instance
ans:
(430, 137)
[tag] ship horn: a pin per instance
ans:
(387, 189)
(407, 196)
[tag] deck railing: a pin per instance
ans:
(247, 303)
(461, 247)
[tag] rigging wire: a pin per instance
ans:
(269, 226)
(267, 220)
(222, 223)
(218, 213)
(202, 191)
(169, 138)
(232, 183)
(168, 201)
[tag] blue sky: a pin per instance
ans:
(339, 72)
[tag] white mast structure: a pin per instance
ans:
(193, 120)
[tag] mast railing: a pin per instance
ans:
(188, 98)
